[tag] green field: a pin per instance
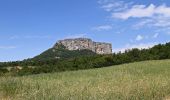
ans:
(148, 80)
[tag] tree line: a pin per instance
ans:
(37, 66)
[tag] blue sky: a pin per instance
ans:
(29, 27)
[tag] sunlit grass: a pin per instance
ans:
(148, 80)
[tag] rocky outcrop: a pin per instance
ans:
(85, 43)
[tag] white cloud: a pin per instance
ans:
(131, 46)
(102, 27)
(30, 37)
(155, 35)
(158, 21)
(141, 11)
(141, 45)
(164, 30)
(144, 22)
(105, 1)
(7, 47)
(147, 15)
(163, 9)
(37, 37)
(114, 5)
(137, 11)
(76, 36)
(108, 7)
(14, 37)
(111, 6)
(117, 50)
(168, 33)
(150, 16)
(139, 38)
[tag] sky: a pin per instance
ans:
(29, 27)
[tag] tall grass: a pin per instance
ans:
(148, 80)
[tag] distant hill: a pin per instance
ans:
(60, 52)
(71, 48)
(58, 59)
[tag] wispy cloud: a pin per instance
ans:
(37, 37)
(163, 30)
(156, 21)
(118, 5)
(155, 35)
(114, 5)
(102, 28)
(30, 37)
(141, 45)
(137, 11)
(131, 46)
(151, 16)
(76, 36)
(7, 47)
(147, 15)
(144, 37)
(14, 37)
(139, 38)
(142, 11)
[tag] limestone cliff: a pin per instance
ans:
(85, 43)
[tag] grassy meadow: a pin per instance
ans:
(149, 80)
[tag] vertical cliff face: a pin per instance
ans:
(103, 48)
(85, 43)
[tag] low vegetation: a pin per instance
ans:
(149, 80)
(84, 59)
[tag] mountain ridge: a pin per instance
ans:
(86, 43)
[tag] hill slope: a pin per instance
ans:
(148, 80)
(59, 52)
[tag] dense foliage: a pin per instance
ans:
(85, 59)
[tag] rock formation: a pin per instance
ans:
(85, 43)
